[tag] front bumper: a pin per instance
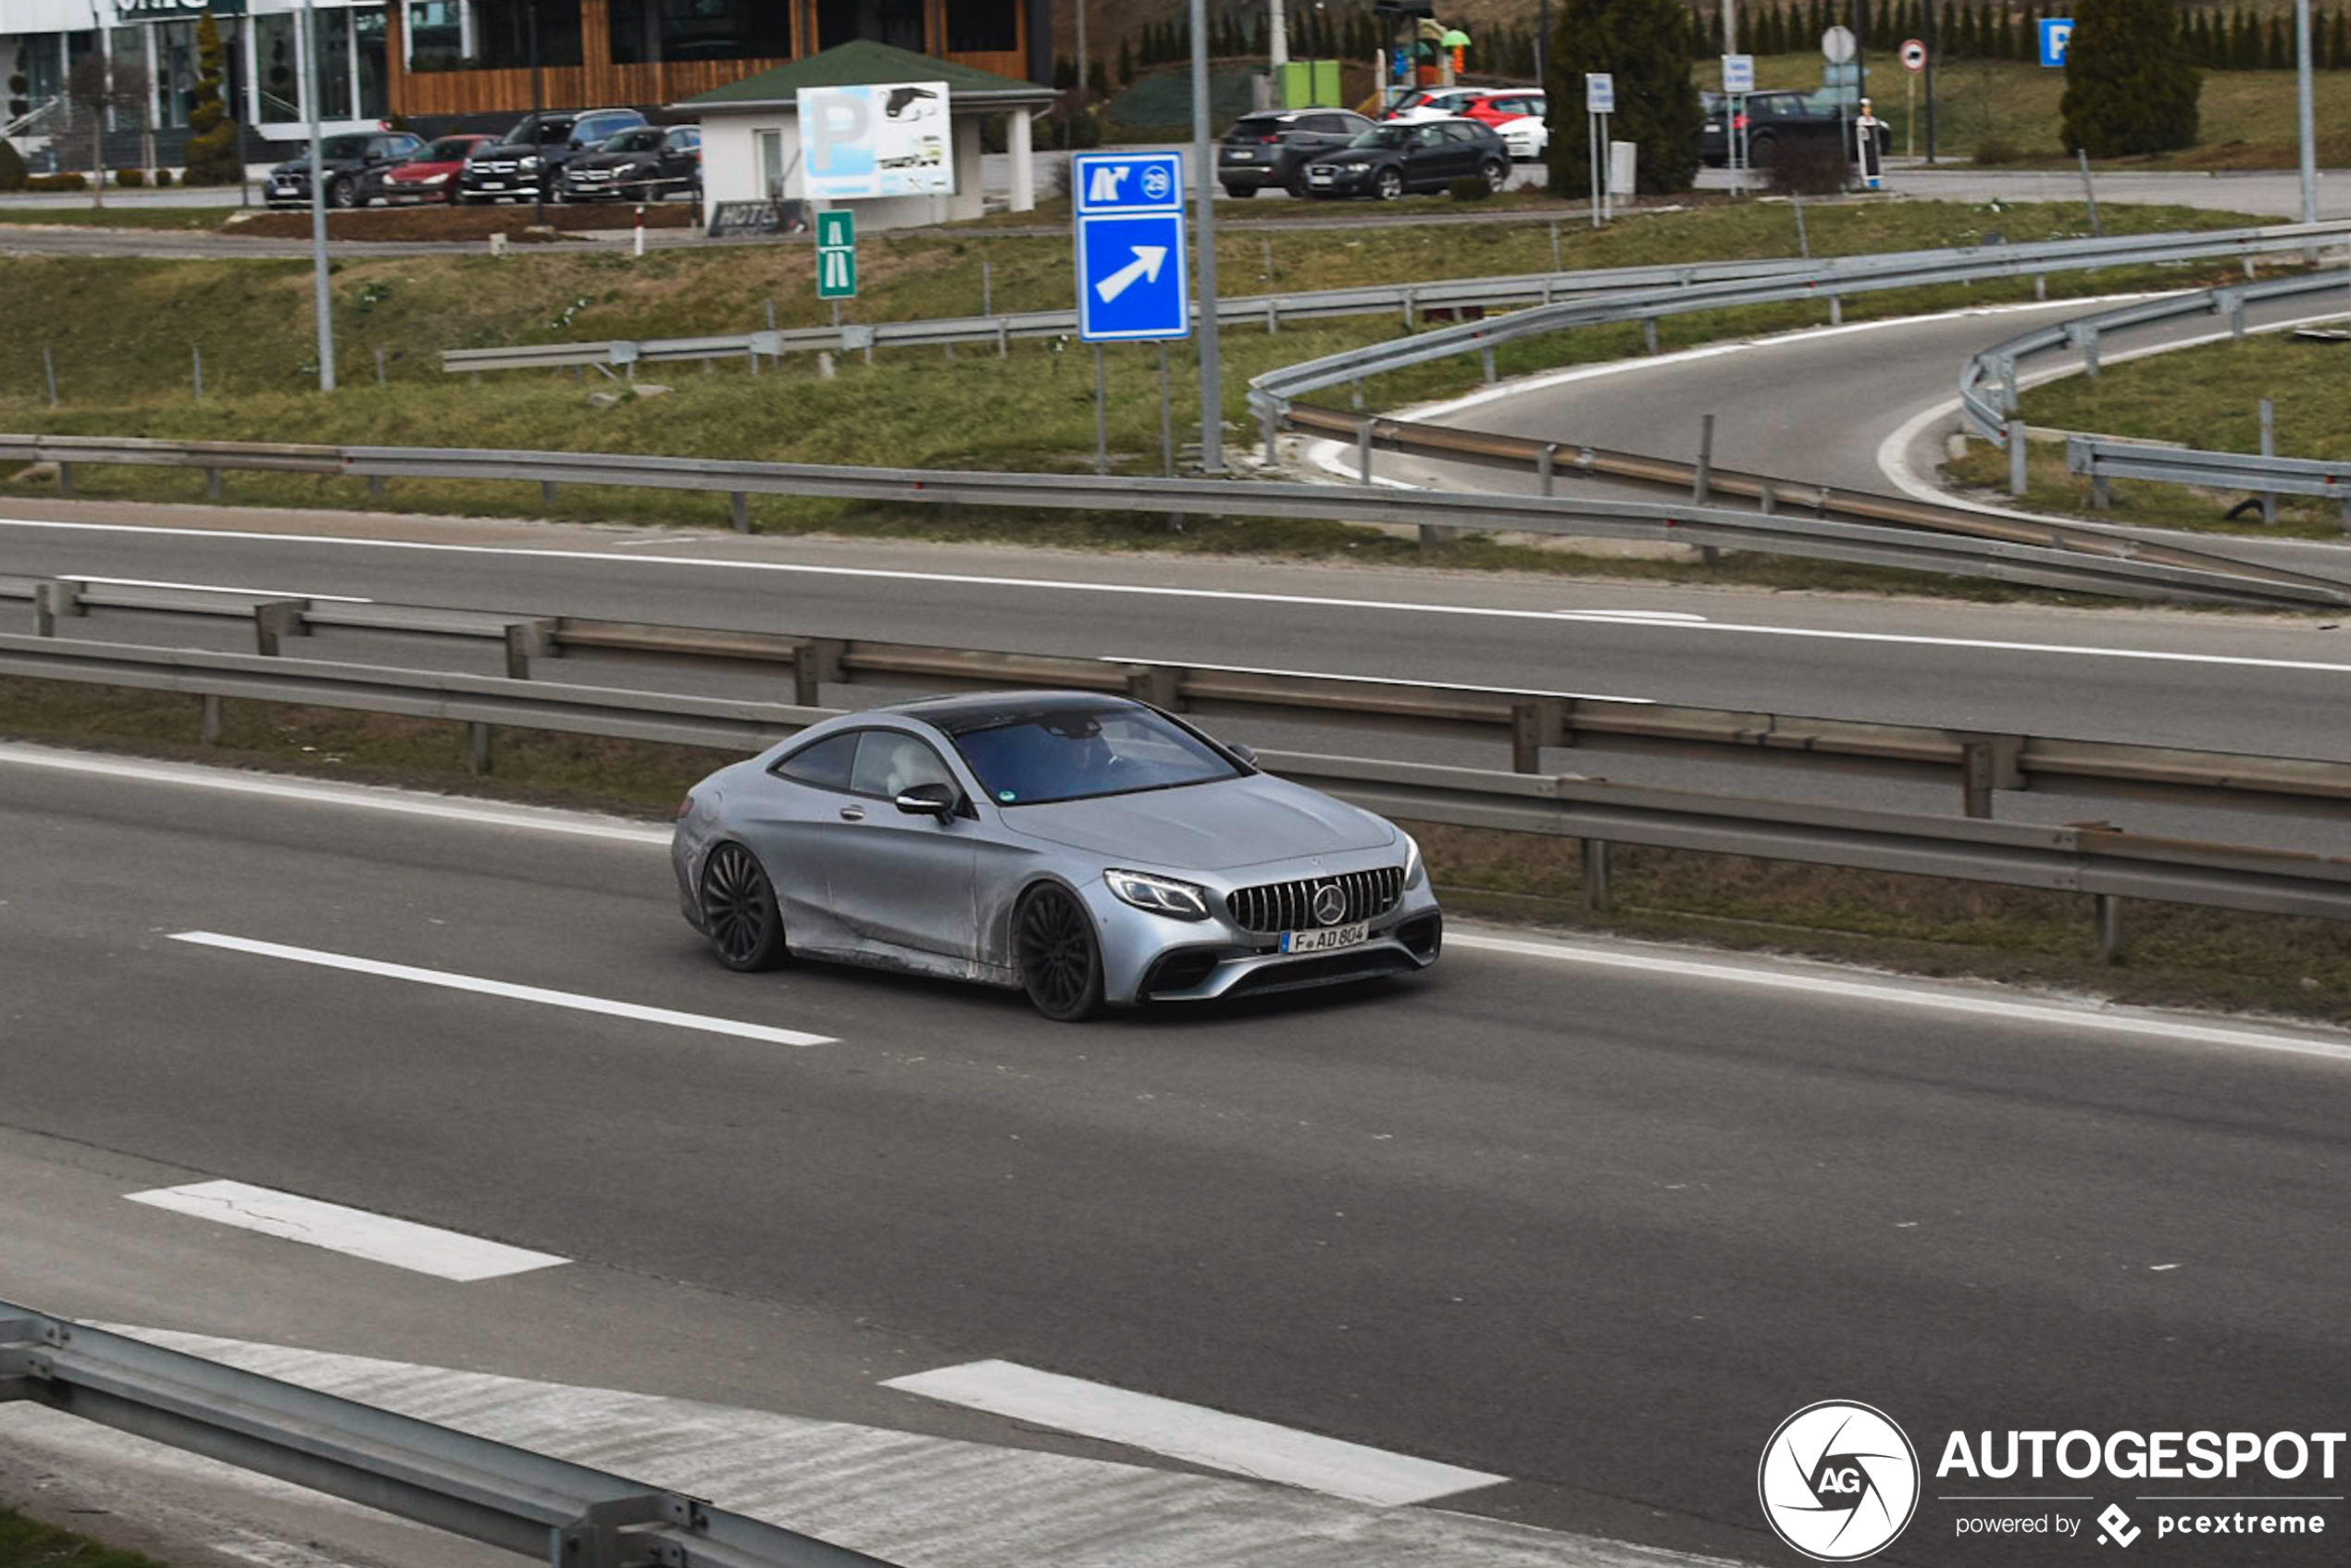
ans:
(1339, 180)
(1148, 957)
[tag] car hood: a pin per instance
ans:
(612, 160)
(302, 165)
(1206, 827)
(423, 170)
(1357, 155)
(510, 150)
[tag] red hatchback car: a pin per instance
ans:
(1505, 103)
(432, 174)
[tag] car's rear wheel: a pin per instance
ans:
(1240, 191)
(1061, 963)
(1388, 184)
(1760, 150)
(739, 911)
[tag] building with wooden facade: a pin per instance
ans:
(439, 63)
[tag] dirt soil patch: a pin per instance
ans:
(459, 223)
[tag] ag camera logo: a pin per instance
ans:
(1840, 1481)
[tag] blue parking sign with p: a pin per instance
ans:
(1131, 277)
(2056, 35)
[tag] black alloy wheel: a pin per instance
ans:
(1496, 175)
(1388, 184)
(1061, 966)
(343, 192)
(738, 909)
(1240, 193)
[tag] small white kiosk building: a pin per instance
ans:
(752, 149)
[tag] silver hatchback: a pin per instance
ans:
(1088, 849)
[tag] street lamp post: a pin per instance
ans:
(322, 302)
(538, 123)
(1211, 378)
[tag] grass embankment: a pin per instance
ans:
(2208, 398)
(121, 332)
(2246, 117)
(179, 219)
(28, 1543)
(2178, 956)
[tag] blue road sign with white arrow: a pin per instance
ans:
(1131, 279)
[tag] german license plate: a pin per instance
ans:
(493, 184)
(1329, 937)
(1243, 157)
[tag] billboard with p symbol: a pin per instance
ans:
(1131, 279)
(889, 139)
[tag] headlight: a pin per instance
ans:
(1414, 872)
(1160, 895)
(434, 180)
(528, 163)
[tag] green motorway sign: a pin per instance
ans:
(836, 256)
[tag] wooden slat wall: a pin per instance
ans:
(599, 83)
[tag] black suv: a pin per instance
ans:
(1776, 120)
(1272, 148)
(640, 165)
(355, 162)
(1390, 160)
(536, 151)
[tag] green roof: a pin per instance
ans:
(855, 63)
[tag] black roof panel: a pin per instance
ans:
(986, 710)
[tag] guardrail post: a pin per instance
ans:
(2015, 433)
(1359, 394)
(1160, 685)
(1597, 898)
(1989, 764)
(2231, 301)
(546, 496)
(1411, 311)
(526, 640)
(1535, 724)
(739, 509)
(814, 662)
(1364, 451)
(274, 621)
(1701, 477)
(1485, 361)
(2085, 337)
(375, 486)
(209, 721)
(2014, 403)
(65, 478)
(212, 484)
(1545, 461)
(1648, 333)
(49, 374)
(2269, 449)
(1836, 310)
(2040, 286)
(61, 597)
(2113, 942)
(476, 747)
(195, 351)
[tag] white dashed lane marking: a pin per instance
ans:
(378, 1237)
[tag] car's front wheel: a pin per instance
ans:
(1061, 963)
(1498, 174)
(1240, 193)
(344, 192)
(739, 911)
(1389, 184)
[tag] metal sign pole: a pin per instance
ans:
(307, 32)
(1101, 417)
(1592, 134)
(1212, 376)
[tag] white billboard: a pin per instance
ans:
(883, 139)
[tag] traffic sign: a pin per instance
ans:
(1913, 55)
(1837, 45)
(836, 254)
(1599, 92)
(1131, 279)
(2057, 37)
(1738, 73)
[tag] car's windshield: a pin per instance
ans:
(632, 141)
(1068, 754)
(449, 149)
(343, 147)
(1384, 136)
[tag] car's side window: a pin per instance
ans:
(1458, 132)
(890, 763)
(823, 765)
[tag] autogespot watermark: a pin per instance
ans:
(1840, 1481)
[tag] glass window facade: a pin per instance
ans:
(276, 68)
(368, 47)
(897, 22)
(436, 35)
(331, 53)
(175, 69)
(980, 26)
(502, 29)
(646, 30)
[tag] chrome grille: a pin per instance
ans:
(1290, 906)
(502, 165)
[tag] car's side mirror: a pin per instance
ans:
(1247, 755)
(928, 800)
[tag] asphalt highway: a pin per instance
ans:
(1590, 1229)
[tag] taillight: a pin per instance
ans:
(1739, 122)
(685, 808)
(1268, 141)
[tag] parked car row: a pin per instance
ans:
(1335, 152)
(1775, 122)
(596, 154)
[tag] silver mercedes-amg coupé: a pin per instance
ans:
(1088, 849)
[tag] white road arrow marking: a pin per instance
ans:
(1147, 263)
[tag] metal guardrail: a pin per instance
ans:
(2100, 861)
(2102, 460)
(505, 1497)
(1411, 301)
(2080, 559)
(1982, 765)
(1987, 382)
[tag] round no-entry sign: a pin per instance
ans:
(1913, 55)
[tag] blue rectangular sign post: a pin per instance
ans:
(1131, 277)
(2057, 33)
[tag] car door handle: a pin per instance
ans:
(852, 814)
